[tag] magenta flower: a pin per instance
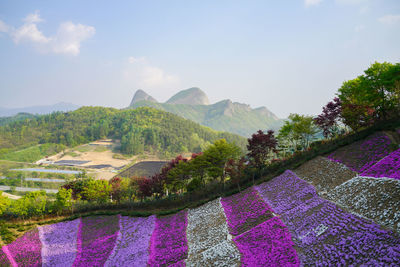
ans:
(245, 210)
(96, 240)
(26, 250)
(268, 244)
(388, 167)
(168, 245)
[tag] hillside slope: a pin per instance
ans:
(224, 115)
(139, 130)
(280, 222)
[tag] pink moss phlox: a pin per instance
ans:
(268, 244)
(132, 246)
(96, 240)
(59, 243)
(26, 250)
(388, 167)
(168, 243)
(245, 210)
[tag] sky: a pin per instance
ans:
(290, 56)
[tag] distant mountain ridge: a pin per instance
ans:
(225, 115)
(38, 110)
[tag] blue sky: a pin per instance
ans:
(290, 56)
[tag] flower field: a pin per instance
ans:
(282, 222)
(387, 167)
(96, 239)
(271, 236)
(245, 210)
(374, 198)
(132, 246)
(363, 154)
(325, 234)
(324, 174)
(168, 245)
(207, 235)
(59, 243)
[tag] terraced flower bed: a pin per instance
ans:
(363, 154)
(374, 198)
(325, 235)
(245, 210)
(207, 235)
(59, 243)
(96, 240)
(324, 174)
(25, 251)
(267, 244)
(387, 167)
(132, 245)
(168, 244)
(286, 192)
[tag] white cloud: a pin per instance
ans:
(3, 27)
(139, 73)
(67, 40)
(351, 2)
(312, 2)
(389, 19)
(69, 37)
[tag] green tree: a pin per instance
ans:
(97, 190)
(299, 131)
(63, 200)
(217, 155)
(4, 203)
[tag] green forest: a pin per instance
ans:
(142, 129)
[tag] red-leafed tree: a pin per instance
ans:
(329, 118)
(235, 170)
(145, 187)
(116, 192)
(260, 147)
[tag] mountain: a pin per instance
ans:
(192, 96)
(222, 116)
(40, 110)
(19, 117)
(141, 95)
(142, 129)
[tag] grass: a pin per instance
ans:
(33, 153)
(101, 149)
(84, 148)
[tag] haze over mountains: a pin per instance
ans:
(45, 109)
(225, 115)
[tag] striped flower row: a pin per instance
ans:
(325, 234)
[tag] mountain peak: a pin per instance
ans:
(191, 96)
(141, 95)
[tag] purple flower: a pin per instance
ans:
(132, 246)
(388, 167)
(168, 245)
(26, 250)
(96, 240)
(245, 210)
(59, 243)
(268, 244)
(363, 154)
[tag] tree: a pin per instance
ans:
(63, 200)
(145, 187)
(97, 190)
(260, 147)
(4, 203)
(375, 95)
(329, 118)
(217, 155)
(299, 130)
(116, 192)
(235, 170)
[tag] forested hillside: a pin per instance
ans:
(142, 129)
